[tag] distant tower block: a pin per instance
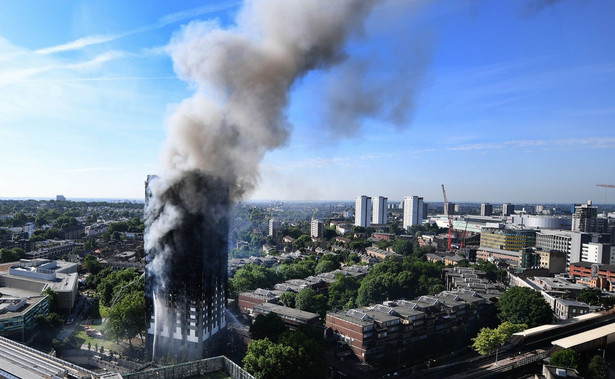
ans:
(363, 206)
(449, 209)
(585, 218)
(413, 211)
(379, 211)
(186, 276)
(317, 229)
(508, 209)
(274, 227)
(486, 209)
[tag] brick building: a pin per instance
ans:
(371, 331)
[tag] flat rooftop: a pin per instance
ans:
(591, 335)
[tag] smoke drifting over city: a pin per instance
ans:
(243, 78)
(217, 138)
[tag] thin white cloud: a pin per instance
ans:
(526, 145)
(163, 21)
(560, 144)
(98, 60)
(195, 12)
(81, 43)
(96, 169)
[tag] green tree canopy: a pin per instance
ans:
(298, 354)
(125, 318)
(288, 299)
(591, 296)
(266, 359)
(308, 300)
(523, 305)
(325, 265)
(393, 280)
(487, 340)
(566, 358)
(403, 246)
(11, 255)
(251, 277)
(343, 292)
(53, 299)
(597, 368)
(267, 326)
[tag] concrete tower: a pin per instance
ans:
(413, 211)
(379, 212)
(362, 207)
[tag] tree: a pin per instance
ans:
(53, 299)
(251, 277)
(597, 368)
(268, 326)
(92, 265)
(566, 358)
(487, 340)
(266, 359)
(523, 305)
(125, 318)
(591, 296)
(325, 265)
(343, 292)
(288, 299)
(302, 242)
(403, 246)
(308, 300)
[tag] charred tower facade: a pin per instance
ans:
(186, 243)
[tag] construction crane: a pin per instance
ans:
(606, 186)
(450, 219)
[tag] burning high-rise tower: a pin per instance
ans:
(187, 264)
(242, 77)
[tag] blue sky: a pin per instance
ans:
(510, 101)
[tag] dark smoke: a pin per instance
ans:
(216, 139)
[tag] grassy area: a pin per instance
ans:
(81, 335)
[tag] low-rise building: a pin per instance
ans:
(292, 317)
(565, 309)
(371, 331)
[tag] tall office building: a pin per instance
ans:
(186, 245)
(379, 211)
(449, 209)
(362, 208)
(585, 218)
(425, 209)
(413, 211)
(486, 209)
(508, 209)
(317, 228)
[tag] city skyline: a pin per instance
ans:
(506, 102)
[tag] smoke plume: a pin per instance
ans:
(243, 77)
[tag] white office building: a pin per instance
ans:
(413, 211)
(363, 206)
(379, 211)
